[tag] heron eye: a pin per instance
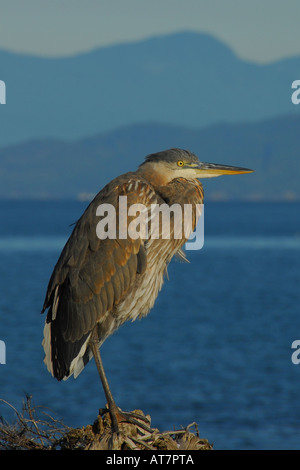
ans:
(180, 163)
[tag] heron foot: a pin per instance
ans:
(136, 418)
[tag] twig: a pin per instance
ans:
(29, 411)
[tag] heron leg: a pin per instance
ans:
(113, 409)
(116, 414)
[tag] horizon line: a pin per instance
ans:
(131, 42)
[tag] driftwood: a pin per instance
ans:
(36, 429)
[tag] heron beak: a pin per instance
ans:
(211, 170)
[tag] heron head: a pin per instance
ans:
(177, 163)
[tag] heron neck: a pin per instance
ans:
(179, 190)
(182, 191)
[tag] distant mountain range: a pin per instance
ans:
(54, 168)
(184, 79)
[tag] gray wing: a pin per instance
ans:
(90, 278)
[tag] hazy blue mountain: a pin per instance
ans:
(56, 169)
(184, 79)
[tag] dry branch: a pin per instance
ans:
(35, 428)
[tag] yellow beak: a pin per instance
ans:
(211, 170)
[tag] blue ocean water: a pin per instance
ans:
(215, 349)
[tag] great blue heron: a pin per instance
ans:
(99, 283)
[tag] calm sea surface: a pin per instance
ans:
(215, 349)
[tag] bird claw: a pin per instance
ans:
(134, 414)
(118, 416)
(135, 419)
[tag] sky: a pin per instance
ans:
(258, 30)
